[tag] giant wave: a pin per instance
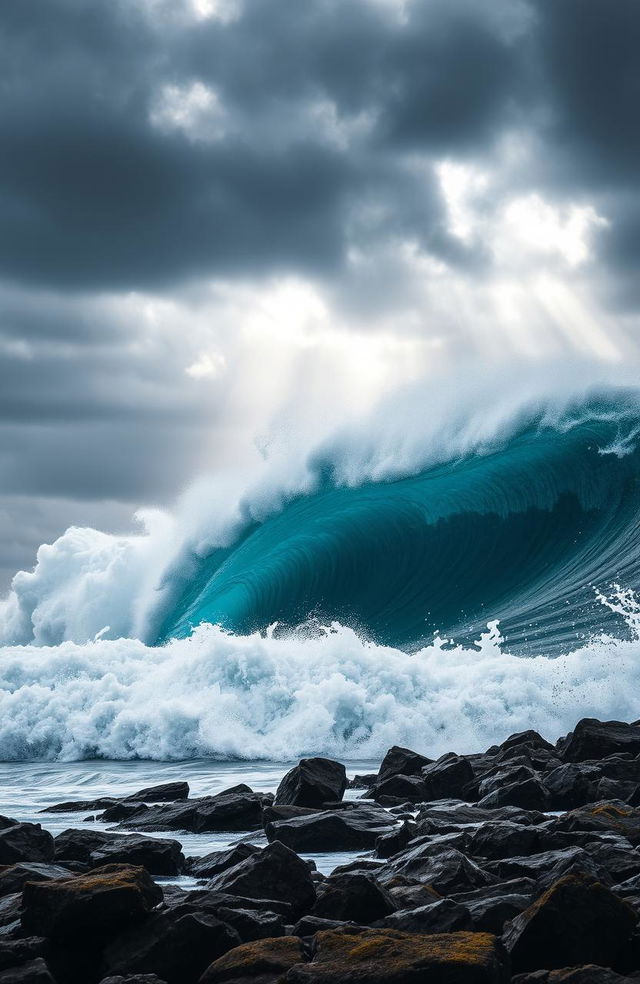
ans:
(300, 615)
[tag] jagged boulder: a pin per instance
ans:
(443, 916)
(238, 808)
(502, 840)
(451, 776)
(177, 945)
(333, 830)
(273, 873)
(592, 739)
(25, 842)
(13, 878)
(402, 762)
(264, 962)
(446, 870)
(528, 794)
(386, 956)
(397, 789)
(355, 897)
(576, 921)
(168, 792)
(33, 972)
(311, 783)
(94, 906)
(212, 864)
(79, 844)
(159, 855)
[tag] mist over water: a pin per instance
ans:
(335, 599)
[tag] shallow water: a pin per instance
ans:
(28, 787)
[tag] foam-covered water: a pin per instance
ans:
(251, 697)
(520, 511)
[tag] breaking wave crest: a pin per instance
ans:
(206, 634)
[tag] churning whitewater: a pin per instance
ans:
(448, 588)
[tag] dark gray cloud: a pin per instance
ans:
(147, 150)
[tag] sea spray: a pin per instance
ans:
(226, 696)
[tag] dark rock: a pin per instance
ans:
(10, 909)
(505, 775)
(396, 840)
(217, 861)
(529, 794)
(181, 815)
(333, 831)
(272, 814)
(398, 789)
(440, 842)
(536, 865)
(238, 808)
(133, 979)
(443, 916)
(25, 842)
(34, 972)
(357, 898)
(438, 819)
(576, 921)
(489, 915)
(592, 739)
(204, 900)
(359, 865)
(609, 789)
(168, 792)
(615, 817)
(446, 871)
(273, 873)
(263, 962)
(386, 956)
(629, 887)
(82, 806)
(79, 845)
(530, 739)
(160, 856)
(590, 974)
(514, 886)
(312, 782)
(502, 840)
(572, 785)
(13, 953)
(362, 782)
(177, 946)
(123, 811)
(13, 878)
(402, 761)
(412, 896)
(619, 861)
(536, 759)
(450, 776)
(230, 811)
(310, 925)
(252, 924)
(93, 906)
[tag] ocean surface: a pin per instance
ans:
(439, 580)
(28, 788)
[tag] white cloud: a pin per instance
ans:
(194, 109)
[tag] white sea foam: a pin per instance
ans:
(252, 697)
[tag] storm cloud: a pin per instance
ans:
(179, 179)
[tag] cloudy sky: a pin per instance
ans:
(225, 219)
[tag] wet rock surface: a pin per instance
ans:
(520, 863)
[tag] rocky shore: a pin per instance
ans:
(521, 863)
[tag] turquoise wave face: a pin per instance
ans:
(523, 535)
